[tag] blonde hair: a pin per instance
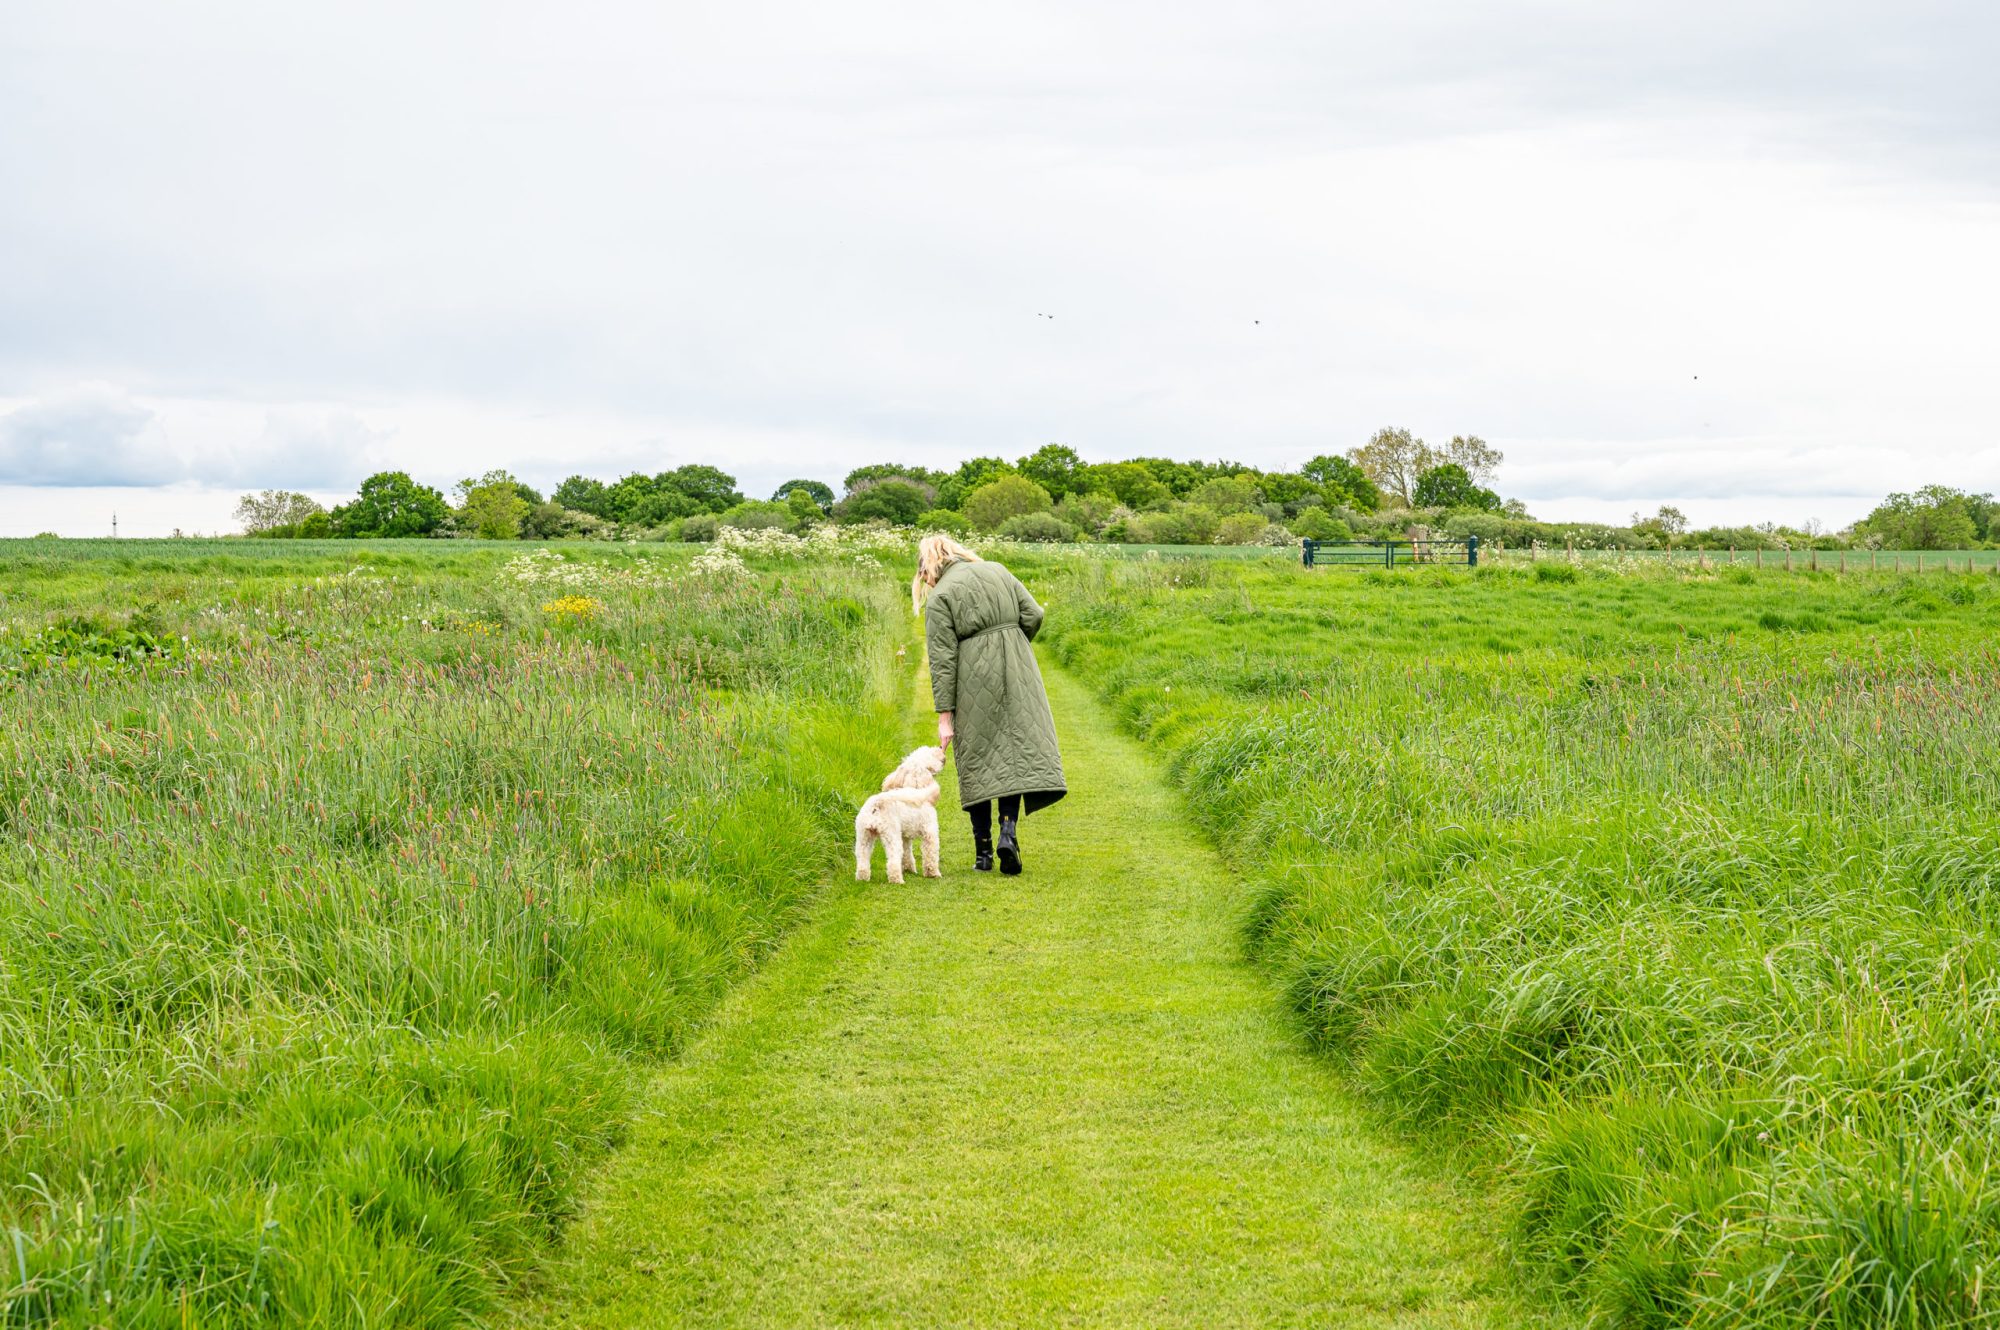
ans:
(935, 553)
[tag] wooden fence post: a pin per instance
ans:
(1760, 556)
(1788, 558)
(1871, 559)
(1732, 555)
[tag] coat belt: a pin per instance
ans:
(996, 628)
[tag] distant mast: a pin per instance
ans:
(114, 526)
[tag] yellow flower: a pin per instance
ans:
(573, 609)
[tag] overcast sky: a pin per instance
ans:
(1741, 257)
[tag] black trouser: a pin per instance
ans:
(982, 817)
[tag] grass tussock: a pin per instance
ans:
(1673, 894)
(343, 895)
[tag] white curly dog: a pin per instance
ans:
(904, 813)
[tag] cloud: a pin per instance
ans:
(299, 448)
(93, 434)
(787, 239)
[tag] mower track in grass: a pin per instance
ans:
(1058, 1099)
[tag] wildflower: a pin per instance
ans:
(573, 609)
(719, 561)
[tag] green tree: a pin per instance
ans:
(1936, 517)
(1345, 484)
(970, 475)
(584, 495)
(1134, 484)
(821, 494)
(642, 500)
(898, 502)
(491, 506)
(1228, 494)
(1056, 468)
(549, 521)
(714, 491)
(1448, 486)
(805, 508)
(275, 512)
(1178, 477)
(1010, 496)
(860, 476)
(391, 504)
(1089, 512)
(1395, 460)
(1985, 513)
(1480, 459)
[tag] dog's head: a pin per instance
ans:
(918, 770)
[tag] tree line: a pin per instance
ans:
(1384, 488)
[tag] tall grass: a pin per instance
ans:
(332, 938)
(1671, 894)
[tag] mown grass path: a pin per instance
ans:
(1059, 1099)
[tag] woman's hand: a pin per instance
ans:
(944, 730)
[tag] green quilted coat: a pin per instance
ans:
(977, 626)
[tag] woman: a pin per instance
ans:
(988, 690)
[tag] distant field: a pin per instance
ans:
(1843, 561)
(346, 889)
(1669, 894)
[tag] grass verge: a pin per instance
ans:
(1667, 894)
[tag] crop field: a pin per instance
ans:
(1664, 898)
(346, 892)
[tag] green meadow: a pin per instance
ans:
(345, 889)
(1664, 899)
(359, 900)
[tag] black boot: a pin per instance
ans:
(1010, 849)
(982, 855)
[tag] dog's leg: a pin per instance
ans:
(931, 843)
(864, 850)
(892, 851)
(909, 856)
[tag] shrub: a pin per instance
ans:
(1318, 524)
(758, 516)
(1010, 496)
(1043, 528)
(702, 527)
(1240, 528)
(1228, 494)
(897, 502)
(1090, 512)
(945, 520)
(1177, 524)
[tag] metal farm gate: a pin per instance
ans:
(1391, 553)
